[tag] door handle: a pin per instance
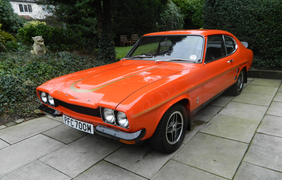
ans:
(230, 61)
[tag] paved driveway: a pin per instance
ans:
(232, 138)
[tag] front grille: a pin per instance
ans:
(79, 109)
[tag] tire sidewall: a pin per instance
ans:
(159, 140)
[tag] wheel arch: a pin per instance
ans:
(184, 101)
(246, 74)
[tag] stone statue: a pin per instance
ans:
(38, 46)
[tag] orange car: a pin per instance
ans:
(152, 93)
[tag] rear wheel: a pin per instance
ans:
(237, 88)
(171, 130)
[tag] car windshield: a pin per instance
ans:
(168, 48)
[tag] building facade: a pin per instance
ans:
(30, 9)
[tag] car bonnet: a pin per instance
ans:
(107, 85)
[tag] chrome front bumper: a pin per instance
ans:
(117, 135)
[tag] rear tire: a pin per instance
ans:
(171, 130)
(237, 88)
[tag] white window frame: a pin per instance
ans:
(25, 8)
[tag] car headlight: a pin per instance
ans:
(109, 115)
(51, 100)
(122, 120)
(43, 97)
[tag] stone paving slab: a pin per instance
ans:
(3, 144)
(252, 172)
(25, 152)
(64, 133)
(106, 171)
(80, 155)
(28, 129)
(242, 129)
(212, 154)
(244, 111)
(254, 98)
(258, 89)
(222, 100)
(275, 109)
(280, 89)
(207, 113)
(271, 125)
(142, 160)
(37, 170)
(266, 82)
(278, 97)
(174, 170)
(196, 127)
(265, 151)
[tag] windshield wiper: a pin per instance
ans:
(142, 56)
(174, 59)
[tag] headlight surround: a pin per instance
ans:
(43, 97)
(109, 115)
(122, 120)
(47, 98)
(51, 100)
(114, 117)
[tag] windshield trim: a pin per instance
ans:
(198, 60)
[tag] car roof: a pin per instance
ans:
(204, 32)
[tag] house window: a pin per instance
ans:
(29, 8)
(21, 8)
(25, 8)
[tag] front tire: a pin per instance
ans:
(171, 130)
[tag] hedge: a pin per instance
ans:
(258, 22)
(21, 73)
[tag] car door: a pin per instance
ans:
(217, 69)
(234, 59)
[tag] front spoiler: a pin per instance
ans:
(129, 138)
(48, 111)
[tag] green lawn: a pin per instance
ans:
(122, 51)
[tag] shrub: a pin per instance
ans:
(10, 21)
(256, 21)
(7, 41)
(57, 39)
(21, 73)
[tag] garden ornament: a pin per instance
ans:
(38, 46)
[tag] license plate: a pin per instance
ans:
(79, 125)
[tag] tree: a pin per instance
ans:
(106, 46)
(136, 16)
(9, 20)
(192, 11)
(171, 18)
(93, 17)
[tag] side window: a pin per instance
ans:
(230, 44)
(215, 48)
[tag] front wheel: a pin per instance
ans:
(171, 130)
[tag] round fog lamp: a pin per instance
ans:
(51, 100)
(109, 115)
(43, 96)
(122, 120)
